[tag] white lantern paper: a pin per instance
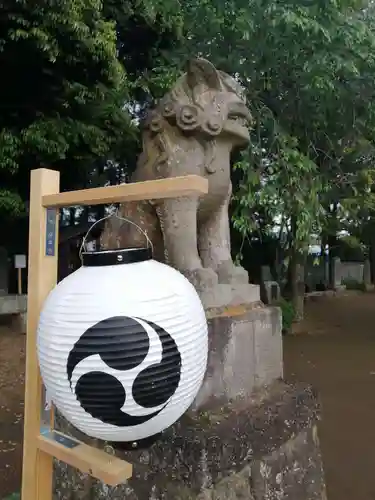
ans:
(122, 345)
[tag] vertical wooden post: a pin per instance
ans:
(42, 277)
(19, 281)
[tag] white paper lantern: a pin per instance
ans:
(122, 345)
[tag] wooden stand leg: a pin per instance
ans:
(42, 277)
(19, 281)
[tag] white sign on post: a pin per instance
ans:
(20, 261)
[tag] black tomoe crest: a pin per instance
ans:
(123, 343)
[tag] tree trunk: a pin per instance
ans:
(100, 212)
(372, 258)
(72, 216)
(333, 246)
(296, 275)
(333, 252)
(297, 284)
(325, 260)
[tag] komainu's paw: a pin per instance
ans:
(228, 273)
(202, 278)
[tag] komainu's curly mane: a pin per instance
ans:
(190, 116)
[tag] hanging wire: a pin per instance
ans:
(117, 216)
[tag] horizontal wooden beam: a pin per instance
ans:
(149, 190)
(99, 464)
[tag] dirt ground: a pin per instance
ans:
(12, 364)
(335, 352)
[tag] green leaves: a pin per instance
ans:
(62, 90)
(11, 203)
(286, 183)
(308, 69)
(69, 66)
(9, 151)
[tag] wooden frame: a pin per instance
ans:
(42, 443)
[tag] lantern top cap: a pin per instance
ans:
(116, 257)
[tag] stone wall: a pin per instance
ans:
(353, 271)
(317, 274)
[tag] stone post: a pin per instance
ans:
(271, 287)
(266, 273)
(326, 271)
(367, 275)
(336, 278)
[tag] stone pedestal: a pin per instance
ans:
(244, 353)
(263, 448)
(222, 294)
(273, 291)
(337, 278)
(369, 287)
(247, 436)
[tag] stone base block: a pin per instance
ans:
(264, 449)
(19, 323)
(340, 288)
(233, 295)
(13, 304)
(272, 289)
(245, 353)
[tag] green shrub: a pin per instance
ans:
(288, 314)
(13, 496)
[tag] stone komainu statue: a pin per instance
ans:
(192, 130)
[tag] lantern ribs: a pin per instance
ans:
(148, 190)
